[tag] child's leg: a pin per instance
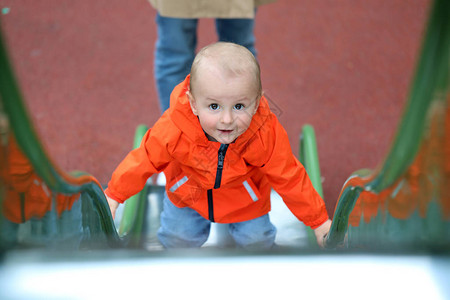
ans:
(182, 227)
(258, 233)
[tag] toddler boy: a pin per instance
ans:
(222, 151)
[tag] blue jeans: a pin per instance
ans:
(176, 44)
(185, 228)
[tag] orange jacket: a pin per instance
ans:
(225, 185)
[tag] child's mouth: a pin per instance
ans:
(225, 131)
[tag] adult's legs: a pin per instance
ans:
(238, 31)
(174, 53)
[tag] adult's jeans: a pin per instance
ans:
(186, 228)
(176, 46)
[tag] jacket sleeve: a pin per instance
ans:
(289, 178)
(130, 176)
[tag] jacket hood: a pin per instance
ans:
(181, 114)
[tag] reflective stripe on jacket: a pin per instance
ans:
(260, 159)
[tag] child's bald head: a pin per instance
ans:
(232, 59)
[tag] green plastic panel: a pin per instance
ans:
(41, 205)
(404, 204)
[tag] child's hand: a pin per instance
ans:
(113, 204)
(321, 232)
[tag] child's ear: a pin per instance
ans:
(192, 103)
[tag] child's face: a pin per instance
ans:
(224, 104)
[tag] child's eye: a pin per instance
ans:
(214, 106)
(239, 106)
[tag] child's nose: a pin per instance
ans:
(227, 117)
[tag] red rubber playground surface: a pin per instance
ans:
(86, 71)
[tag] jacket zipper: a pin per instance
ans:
(222, 151)
(210, 206)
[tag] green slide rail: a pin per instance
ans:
(134, 213)
(13, 109)
(425, 110)
(309, 157)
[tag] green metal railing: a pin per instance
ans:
(431, 79)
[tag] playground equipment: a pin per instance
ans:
(42, 205)
(405, 203)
